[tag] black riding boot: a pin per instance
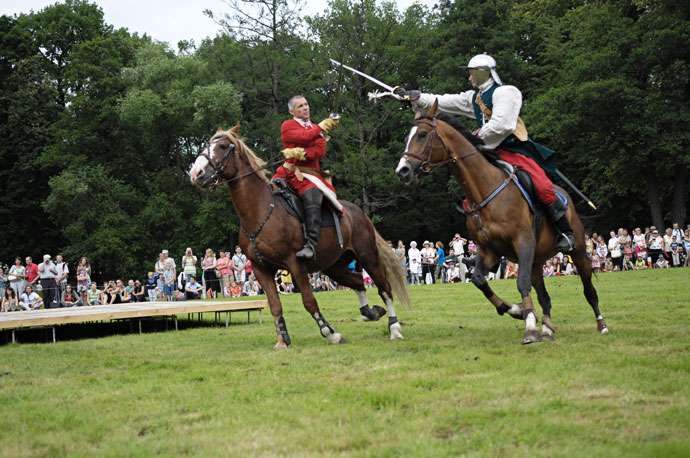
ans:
(312, 198)
(566, 241)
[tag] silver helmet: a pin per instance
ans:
(483, 65)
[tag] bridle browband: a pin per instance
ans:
(425, 166)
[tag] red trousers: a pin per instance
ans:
(542, 184)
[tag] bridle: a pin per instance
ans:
(425, 166)
(217, 178)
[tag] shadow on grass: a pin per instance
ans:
(99, 329)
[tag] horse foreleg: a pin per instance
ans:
(301, 277)
(479, 280)
(547, 329)
(525, 251)
(271, 289)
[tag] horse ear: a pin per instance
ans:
(433, 110)
(220, 129)
(235, 130)
(417, 114)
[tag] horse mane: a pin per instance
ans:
(255, 162)
(489, 154)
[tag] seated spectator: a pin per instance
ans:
(109, 294)
(661, 263)
(94, 294)
(640, 264)
(139, 293)
(566, 266)
(453, 273)
(368, 283)
(193, 288)
(10, 301)
(511, 270)
(123, 292)
(251, 287)
(30, 300)
(608, 265)
(627, 263)
(235, 289)
(547, 270)
(69, 299)
(151, 285)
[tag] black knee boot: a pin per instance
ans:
(566, 241)
(312, 220)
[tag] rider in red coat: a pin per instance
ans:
(304, 145)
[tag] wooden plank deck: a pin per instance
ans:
(51, 317)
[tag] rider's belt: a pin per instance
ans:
(520, 130)
(298, 169)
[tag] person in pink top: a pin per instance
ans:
(224, 266)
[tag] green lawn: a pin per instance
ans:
(459, 384)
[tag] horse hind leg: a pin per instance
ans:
(584, 269)
(547, 329)
(340, 273)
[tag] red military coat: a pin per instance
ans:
(294, 134)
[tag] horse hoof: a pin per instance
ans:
(531, 337)
(396, 332)
(280, 346)
(336, 339)
(547, 338)
(380, 311)
(604, 331)
(601, 326)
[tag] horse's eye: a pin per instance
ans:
(223, 146)
(422, 135)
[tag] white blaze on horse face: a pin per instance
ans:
(409, 138)
(403, 161)
(201, 164)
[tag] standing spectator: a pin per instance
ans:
(224, 266)
(677, 232)
(69, 299)
(192, 289)
(248, 269)
(63, 273)
(159, 270)
(596, 262)
(17, 276)
(400, 253)
(589, 246)
(48, 273)
(151, 284)
(4, 282)
(458, 245)
(656, 246)
(415, 261)
(83, 278)
(208, 267)
(30, 300)
(188, 264)
(94, 295)
(511, 270)
(440, 260)
(602, 251)
(675, 253)
(239, 263)
(169, 278)
(31, 271)
(640, 245)
(428, 262)
(166, 257)
(615, 250)
(10, 301)
(686, 248)
(668, 239)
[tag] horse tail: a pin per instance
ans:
(393, 270)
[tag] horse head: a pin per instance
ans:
(215, 162)
(424, 150)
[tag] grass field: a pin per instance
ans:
(459, 384)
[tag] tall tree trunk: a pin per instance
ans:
(680, 181)
(654, 201)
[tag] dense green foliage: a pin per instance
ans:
(459, 384)
(99, 126)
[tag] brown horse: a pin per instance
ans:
(271, 237)
(500, 225)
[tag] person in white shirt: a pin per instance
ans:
(415, 263)
(496, 107)
(453, 273)
(30, 300)
(62, 273)
(47, 272)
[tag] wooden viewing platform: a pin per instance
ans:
(51, 317)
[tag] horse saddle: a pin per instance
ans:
(289, 199)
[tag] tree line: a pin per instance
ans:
(99, 126)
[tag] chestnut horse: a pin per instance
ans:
(498, 218)
(270, 237)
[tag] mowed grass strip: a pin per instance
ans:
(459, 384)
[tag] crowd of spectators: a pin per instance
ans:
(30, 286)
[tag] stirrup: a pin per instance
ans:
(306, 253)
(565, 243)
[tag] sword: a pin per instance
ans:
(357, 72)
(574, 188)
(336, 105)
